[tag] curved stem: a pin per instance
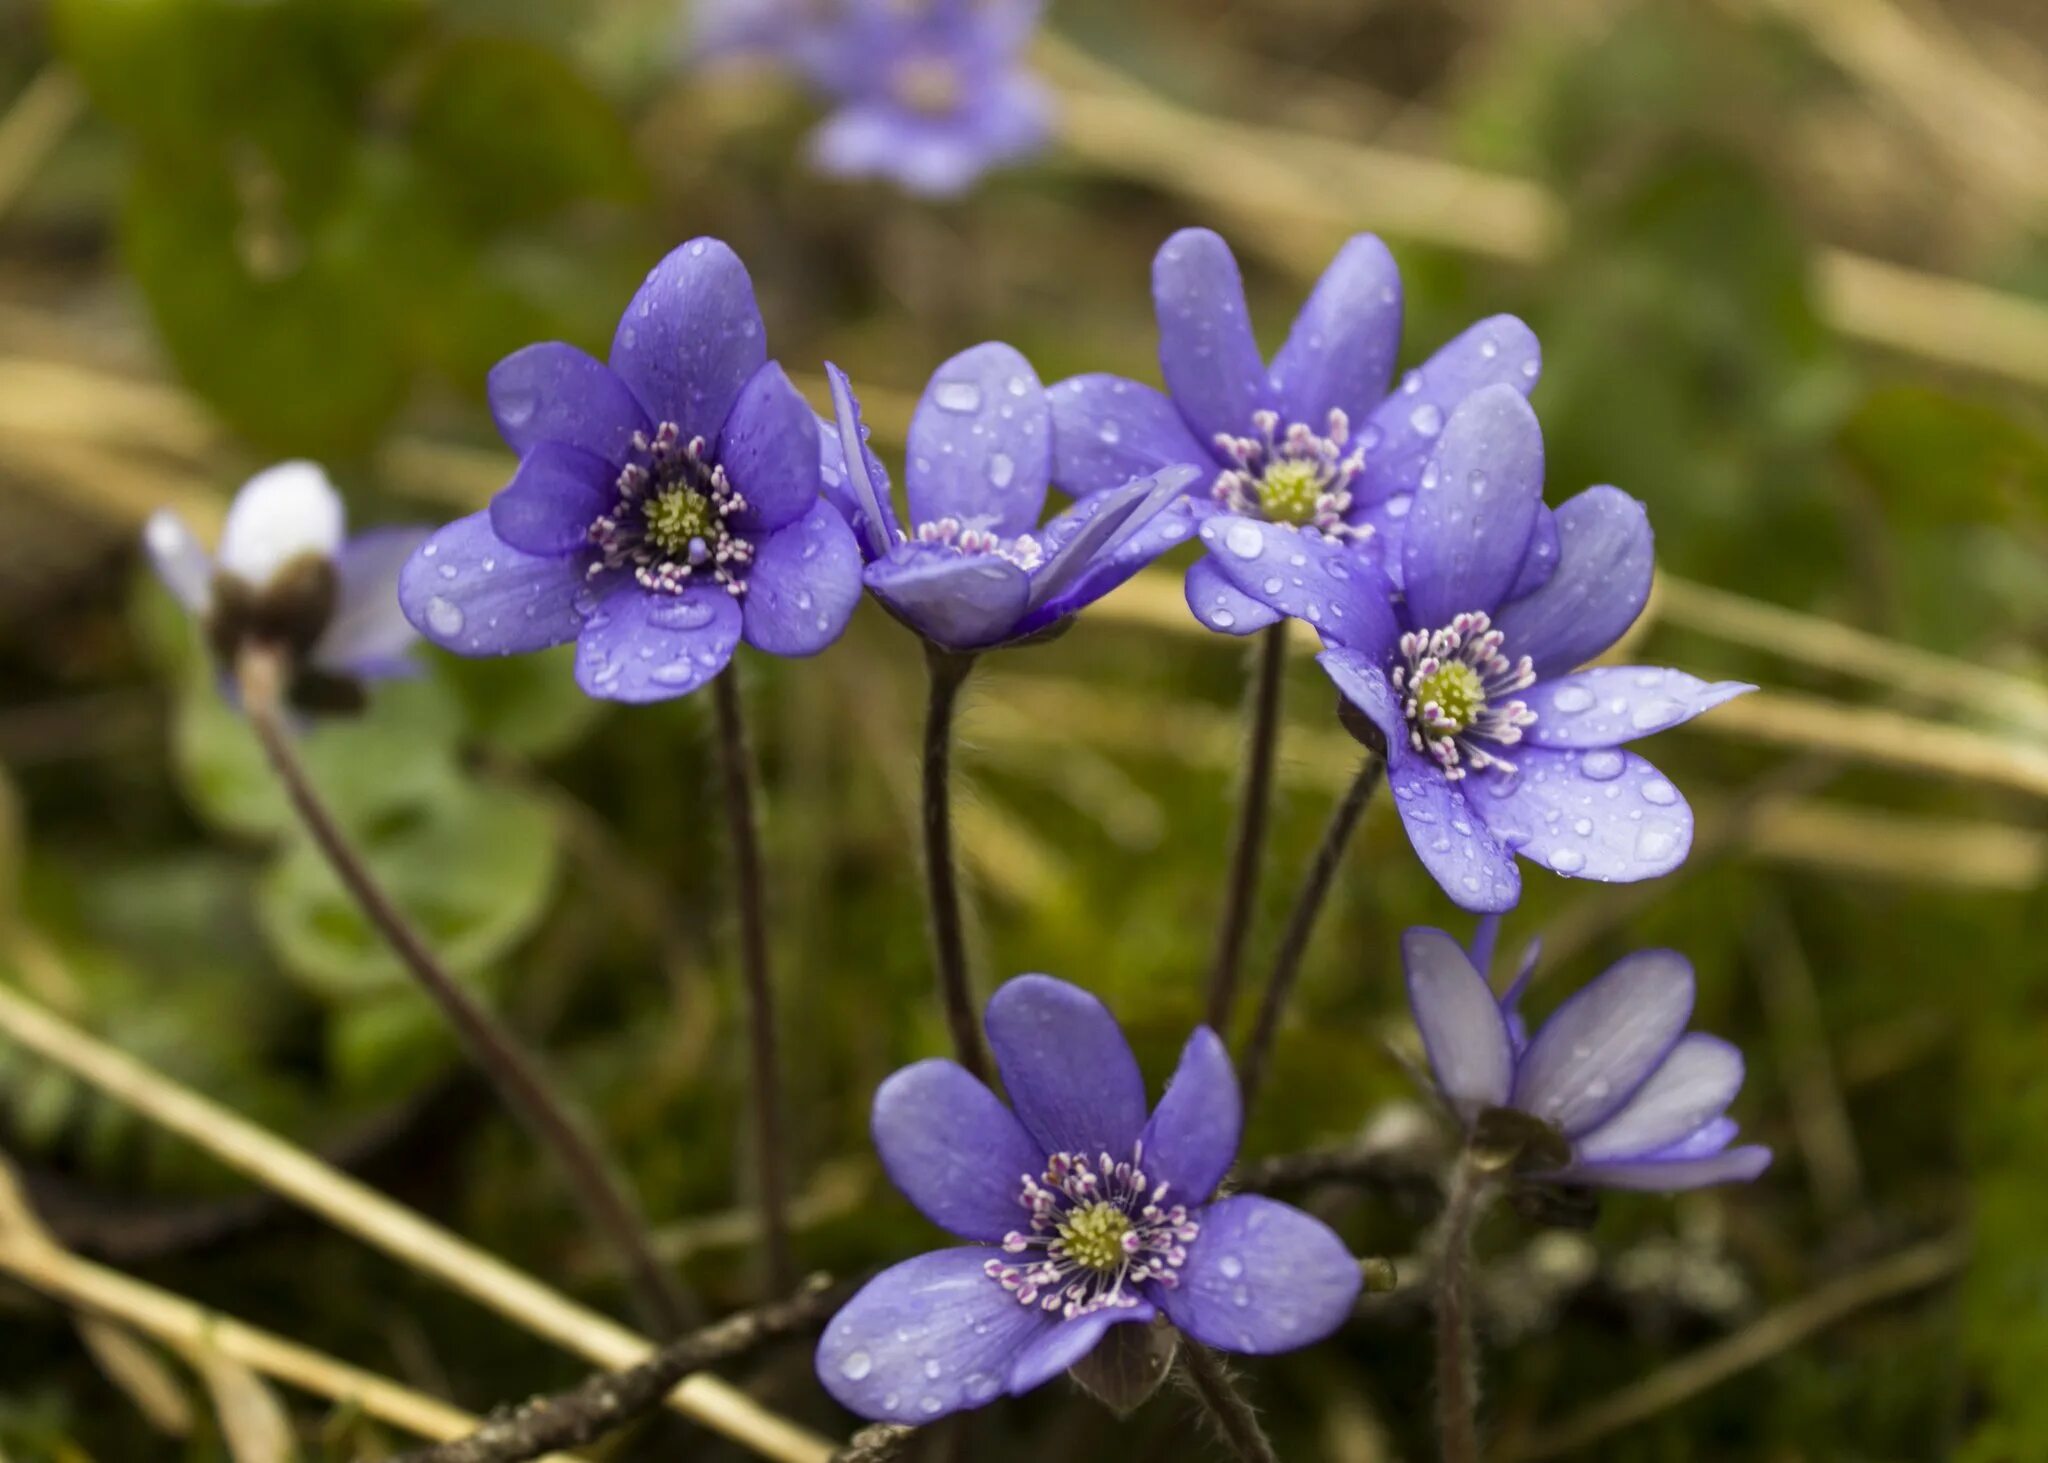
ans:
(512, 1071)
(1227, 1407)
(1457, 1360)
(1301, 924)
(1248, 843)
(737, 779)
(949, 671)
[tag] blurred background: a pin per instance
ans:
(1789, 263)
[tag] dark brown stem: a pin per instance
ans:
(949, 671)
(1301, 924)
(736, 763)
(1457, 1362)
(1226, 1405)
(262, 672)
(1248, 843)
(877, 1443)
(1406, 1178)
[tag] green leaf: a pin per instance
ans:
(527, 705)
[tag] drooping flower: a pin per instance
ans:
(1497, 743)
(286, 574)
(1315, 441)
(1080, 1212)
(978, 570)
(665, 505)
(1633, 1100)
(930, 94)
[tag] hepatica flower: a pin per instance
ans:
(666, 504)
(976, 569)
(286, 575)
(1081, 1212)
(930, 94)
(1317, 441)
(1631, 1098)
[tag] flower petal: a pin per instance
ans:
(553, 392)
(1463, 544)
(1303, 574)
(1671, 1175)
(1602, 814)
(469, 591)
(1608, 705)
(1461, 1024)
(769, 451)
(640, 645)
(1049, 1353)
(1107, 430)
(1710, 1139)
(179, 559)
(555, 494)
(691, 337)
(1340, 354)
(980, 445)
(1605, 1040)
(960, 601)
(1192, 1137)
(930, 1336)
(369, 627)
(1221, 605)
(1069, 1072)
(282, 513)
(1401, 432)
(1687, 1093)
(1086, 562)
(1540, 562)
(804, 586)
(1261, 1277)
(867, 481)
(954, 1150)
(1211, 362)
(1606, 557)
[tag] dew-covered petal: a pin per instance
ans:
(1540, 561)
(804, 585)
(1402, 431)
(1673, 1175)
(1461, 1024)
(1463, 544)
(1602, 814)
(556, 493)
(1261, 1277)
(874, 523)
(961, 601)
(1598, 1047)
(180, 560)
(1148, 530)
(1606, 557)
(980, 445)
(1211, 363)
(640, 646)
(1221, 605)
(1192, 1137)
(369, 626)
(554, 392)
(954, 1150)
(1107, 430)
(469, 591)
(1051, 1352)
(1688, 1092)
(1341, 351)
(1069, 1072)
(1085, 543)
(769, 451)
(1305, 575)
(281, 514)
(1707, 1140)
(925, 1338)
(1606, 706)
(691, 337)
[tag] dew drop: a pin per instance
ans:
(932, 1370)
(1656, 712)
(1001, 470)
(1111, 434)
(960, 396)
(678, 673)
(1602, 766)
(1427, 419)
(857, 1365)
(1660, 792)
(682, 614)
(1222, 619)
(932, 1406)
(1273, 585)
(444, 617)
(1245, 540)
(1571, 699)
(1655, 841)
(1567, 860)
(1231, 1266)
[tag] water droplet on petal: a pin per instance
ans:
(1567, 860)
(960, 396)
(1660, 792)
(857, 1365)
(1427, 419)
(1001, 470)
(1231, 1266)
(1245, 540)
(1571, 699)
(444, 617)
(1602, 766)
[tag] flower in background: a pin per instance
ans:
(930, 94)
(285, 575)
(1497, 744)
(1316, 441)
(1082, 1213)
(1631, 1099)
(978, 570)
(665, 505)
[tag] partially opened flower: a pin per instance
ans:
(977, 569)
(1081, 1212)
(665, 506)
(1497, 743)
(1317, 440)
(286, 575)
(1633, 1100)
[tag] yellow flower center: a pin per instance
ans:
(678, 517)
(1094, 1236)
(1290, 490)
(1458, 692)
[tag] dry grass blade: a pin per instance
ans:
(253, 1422)
(136, 1368)
(33, 126)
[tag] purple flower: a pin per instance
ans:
(931, 94)
(664, 506)
(1497, 743)
(1640, 1102)
(978, 570)
(1315, 441)
(1081, 1213)
(286, 574)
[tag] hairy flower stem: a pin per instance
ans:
(1226, 1405)
(515, 1074)
(1248, 843)
(949, 671)
(1301, 924)
(1457, 1359)
(736, 767)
